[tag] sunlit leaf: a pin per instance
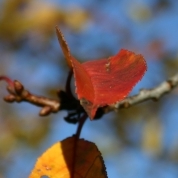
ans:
(58, 161)
(105, 81)
(111, 79)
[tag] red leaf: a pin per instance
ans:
(106, 81)
(64, 46)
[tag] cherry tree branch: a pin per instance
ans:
(17, 93)
(147, 94)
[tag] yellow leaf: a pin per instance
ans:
(59, 160)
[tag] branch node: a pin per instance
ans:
(126, 105)
(155, 99)
(25, 93)
(171, 84)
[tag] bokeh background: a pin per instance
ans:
(138, 142)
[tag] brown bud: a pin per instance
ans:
(9, 98)
(18, 87)
(45, 111)
(10, 89)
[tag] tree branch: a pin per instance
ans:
(147, 94)
(18, 93)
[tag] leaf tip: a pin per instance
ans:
(64, 46)
(89, 107)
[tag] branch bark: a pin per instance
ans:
(18, 93)
(148, 94)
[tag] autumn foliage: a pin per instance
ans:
(53, 163)
(98, 83)
(105, 81)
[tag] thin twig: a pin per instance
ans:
(17, 93)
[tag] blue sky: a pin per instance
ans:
(107, 30)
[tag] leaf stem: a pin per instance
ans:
(76, 138)
(80, 125)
